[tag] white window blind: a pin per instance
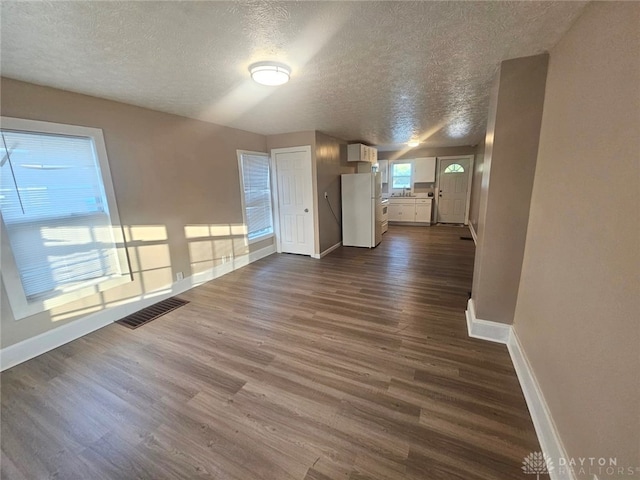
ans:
(55, 212)
(256, 180)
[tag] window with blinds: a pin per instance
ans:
(256, 186)
(55, 214)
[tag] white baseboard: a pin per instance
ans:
(34, 346)
(327, 251)
(484, 329)
(546, 430)
(473, 233)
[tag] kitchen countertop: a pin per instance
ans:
(412, 197)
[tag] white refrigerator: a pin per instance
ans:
(361, 209)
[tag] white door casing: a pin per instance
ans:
(454, 175)
(294, 184)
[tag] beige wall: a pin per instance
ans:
(171, 175)
(509, 164)
(294, 139)
(331, 162)
(476, 182)
(421, 152)
(578, 311)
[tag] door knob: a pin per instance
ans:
(306, 210)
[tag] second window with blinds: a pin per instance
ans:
(255, 183)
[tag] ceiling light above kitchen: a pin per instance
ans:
(270, 73)
(413, 143)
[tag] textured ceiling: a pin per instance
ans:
(379, 72)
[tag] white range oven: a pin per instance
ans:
(385, 214)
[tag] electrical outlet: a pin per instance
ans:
(326, 195)
(179, 276)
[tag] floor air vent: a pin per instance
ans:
(145, 315)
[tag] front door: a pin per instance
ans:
(295, 199)
(453, 190)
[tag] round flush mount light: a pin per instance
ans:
(413, 143)
(270, 73)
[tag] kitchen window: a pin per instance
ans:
(61, 237)
(255, 180)
(401, 175)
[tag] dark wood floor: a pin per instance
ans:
(356, 366)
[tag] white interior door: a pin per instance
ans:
(295, 199)
(453, 189)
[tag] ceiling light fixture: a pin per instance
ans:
(270, 73)
(413, 143)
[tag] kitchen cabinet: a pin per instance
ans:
(410, 210)
(402, 212)
(423, 211)
(383, 165)
(424, 170)
(357, 152)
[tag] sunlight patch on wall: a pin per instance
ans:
(209, 246)
(199, 231)
(150, 260)
(149, 257)
(156, 279)
(213, 245)
(146, 233)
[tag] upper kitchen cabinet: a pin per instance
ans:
(383, 166)
(357, 152)
(424, 170)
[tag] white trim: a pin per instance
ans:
(473, 233)
(20, 305)
(275, 202)
(265, 236)
(277, 227)
(471, 159)
(314, 190)
(545, 428)
(484, 329)
(34, 346)
(400, 161)
(327, 251)
(469, 186)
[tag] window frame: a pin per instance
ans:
(265, 236)
(455, 164)
(402, 162)
(20, 305)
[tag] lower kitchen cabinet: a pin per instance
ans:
(402, 212)
(423, 211)
(410, 210)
